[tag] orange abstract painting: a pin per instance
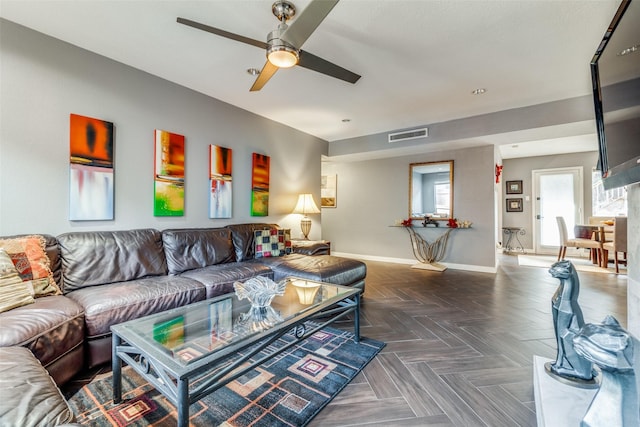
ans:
(260, 185)
(91, 181)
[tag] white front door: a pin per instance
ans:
(556, 192)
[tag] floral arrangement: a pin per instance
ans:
(454, 223)
(407, 222)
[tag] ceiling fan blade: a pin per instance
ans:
(267, 72)
(315, 63)
(300, 30)
(222, 33)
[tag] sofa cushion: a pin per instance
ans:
(242, 236)
(219, 279)
(28, 395)
(100, 257)
(13, 291)
(49, 327)
(115, 303)
(272, 242)
(186, 249)
(32, 263)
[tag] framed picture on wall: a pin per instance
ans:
(514, 187)
(328, 191)
(514, 205)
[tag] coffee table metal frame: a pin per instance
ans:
(172, 379)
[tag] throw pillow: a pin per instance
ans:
(32, 263)
(13, 291)
(272, 242)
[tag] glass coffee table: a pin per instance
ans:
(202, 341)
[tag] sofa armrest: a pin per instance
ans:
(311, 247)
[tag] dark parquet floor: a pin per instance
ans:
(460, 344)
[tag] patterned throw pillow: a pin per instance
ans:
(32, 263)
(272, 242)
(13, 291)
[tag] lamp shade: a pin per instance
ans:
(306, 205)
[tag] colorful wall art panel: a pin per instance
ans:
(260, 185)
(91, 193)
(169, 174)
(220, 194)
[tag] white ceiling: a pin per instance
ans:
(419, 60)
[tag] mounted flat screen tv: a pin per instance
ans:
(615, 73)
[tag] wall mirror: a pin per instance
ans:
(431, 190)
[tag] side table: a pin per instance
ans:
(512, 232)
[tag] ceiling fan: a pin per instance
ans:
(283, 44)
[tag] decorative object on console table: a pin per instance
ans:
(514, 205)
(328, 191)
(428, 221)
(514, 187)
(306, 205)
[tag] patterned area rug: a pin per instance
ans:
(289, 390)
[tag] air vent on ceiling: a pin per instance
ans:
(408, 134)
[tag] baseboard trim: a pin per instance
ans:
(465, 267)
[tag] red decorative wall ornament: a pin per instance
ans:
(498, 172)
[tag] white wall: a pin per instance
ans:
(373, 194)
(43, 80)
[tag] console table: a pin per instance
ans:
(512, 232)
(429, 254)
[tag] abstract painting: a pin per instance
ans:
(260, 185)
(91, 194)
(220, 182)
(168, 174)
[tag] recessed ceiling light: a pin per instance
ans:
(253, 71)
(478, 91)
(346, 120)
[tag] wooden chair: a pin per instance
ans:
(619, 243)
(578, 242)
(603, 220)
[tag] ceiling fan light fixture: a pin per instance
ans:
(283, 56)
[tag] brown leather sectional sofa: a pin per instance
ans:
(108, 277)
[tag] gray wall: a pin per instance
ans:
(44, 80)
(520, 169)
(373, 194)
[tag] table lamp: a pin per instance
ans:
(305, 206)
